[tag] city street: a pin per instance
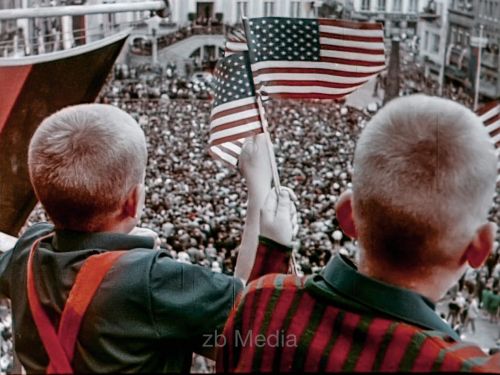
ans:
(486, 333)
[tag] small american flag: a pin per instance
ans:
(235, 42)
(235, 115)
(490, 115)
(303, 58)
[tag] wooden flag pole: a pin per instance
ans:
(263, 119)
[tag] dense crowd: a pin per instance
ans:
(148, 82)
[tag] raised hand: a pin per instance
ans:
(255, 165)
(278, 218)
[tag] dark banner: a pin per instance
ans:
(32, 88)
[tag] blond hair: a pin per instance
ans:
(423, 180)
(84, 161)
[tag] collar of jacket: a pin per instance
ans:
(342, 278)
(65, 240)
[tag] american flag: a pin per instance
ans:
(235, 42)
(490, 115)
(303, 58)
(235, 115)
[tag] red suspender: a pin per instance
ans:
(60, 347)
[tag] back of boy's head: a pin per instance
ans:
(84, 161)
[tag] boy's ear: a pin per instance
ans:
(129, 208)
(481, 246)
(345, 215)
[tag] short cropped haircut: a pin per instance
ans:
(423, 180)
(84, 161)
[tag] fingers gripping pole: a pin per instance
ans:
(274, 167)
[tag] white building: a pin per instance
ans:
(233, 10)
(230, 12)
(432, 29)
(398, 16)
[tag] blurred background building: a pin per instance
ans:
(191, 36)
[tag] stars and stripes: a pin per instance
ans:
(235, 115)
(235, 42)
(490, 115)
(313, 58)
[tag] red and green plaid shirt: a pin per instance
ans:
(341, 321)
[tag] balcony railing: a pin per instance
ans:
(144, 46)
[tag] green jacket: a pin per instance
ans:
(149, 315)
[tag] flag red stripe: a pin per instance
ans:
(215, 156)
(350, 24)
(234, 124)
(487, 107)
(367, 51)
(492, 120)
(495, 132)
(331, 72)
(337, 60)
(286, 95)
(353, 38)
(235, 137)
(335, 85)
(228, 151)
(234, 110)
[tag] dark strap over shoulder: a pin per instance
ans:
(60, 347)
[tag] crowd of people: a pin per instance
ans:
(197, 206)
(148, 82)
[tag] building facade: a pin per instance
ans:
(400, 17)
(487, 13)
(432, 29)
(466, 18)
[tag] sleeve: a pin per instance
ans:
(228, 353)
(5, 274)
(271, 257)
(189, 302)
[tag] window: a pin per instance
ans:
(396, 6)
(413, 6)
(241, 10)
(453, 35)
(295, 7)
(435, 43)
(268, 8)
(365, 4)
(381, 6)
(426, 40)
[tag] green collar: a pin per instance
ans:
(340, 277)
(65, 240)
